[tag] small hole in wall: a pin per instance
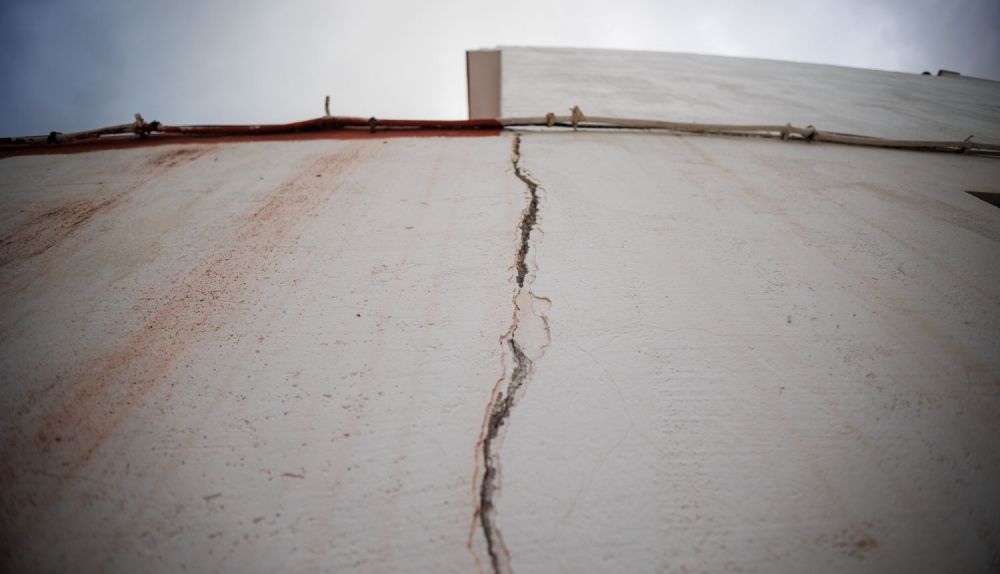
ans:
(986, 196)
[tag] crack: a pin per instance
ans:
(502, 406)
(532, 342)
(530, 214)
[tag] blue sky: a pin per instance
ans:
(79, 65)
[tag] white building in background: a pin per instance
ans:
(290, 353)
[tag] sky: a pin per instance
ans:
(71, 65)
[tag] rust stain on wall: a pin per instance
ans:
(175, 157)
(52, 226)
(64, 438)
(85, 146)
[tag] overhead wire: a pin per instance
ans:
(576, 121)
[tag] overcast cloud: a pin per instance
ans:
(72, 65)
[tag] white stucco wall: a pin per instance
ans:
(256, 358)
(764, 357)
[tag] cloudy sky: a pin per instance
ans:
(71, 65)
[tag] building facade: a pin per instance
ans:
(576, 347)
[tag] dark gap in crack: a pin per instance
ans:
(501, 410)
(530, 214)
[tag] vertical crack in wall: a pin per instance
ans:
(526, 339)
(530, 216)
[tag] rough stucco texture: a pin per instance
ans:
(250, 357)
(746, 355)
(764, 357)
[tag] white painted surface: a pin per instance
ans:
(764, 357)
(267, 357)
(713, 89)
